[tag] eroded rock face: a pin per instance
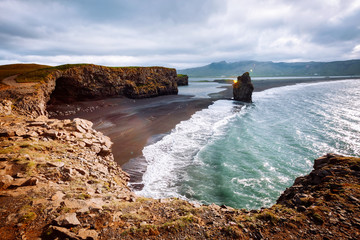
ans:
(243, 88)
(92, 82)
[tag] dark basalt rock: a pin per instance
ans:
(94, 82)
(182, 80)
(243, 88)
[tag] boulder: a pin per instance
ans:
(5, 107)
(61, 233)
(88, 234)
(30, 182)
(5, 181)
(243, 88)
(67, 220)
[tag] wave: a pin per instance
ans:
(246, 155)
(168, 158)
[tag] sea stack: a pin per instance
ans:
(243, 88)
(182, 80)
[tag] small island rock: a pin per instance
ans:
(243, 88)
(182, 80)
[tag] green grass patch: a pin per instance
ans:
(28, 217)
(39, 75)
(15, 69)
(178, 224)
(267, 216)
(83, 196)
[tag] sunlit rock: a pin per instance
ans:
(243, 88)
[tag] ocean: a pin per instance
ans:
(246, 155)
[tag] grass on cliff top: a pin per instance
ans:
(15, 69)
(39, 72)
(137, 67)
(39, 75)
(182, 75)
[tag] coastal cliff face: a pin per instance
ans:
(243, 88)
(82, 82)
(91, 81)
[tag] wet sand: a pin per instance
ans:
(132, 124)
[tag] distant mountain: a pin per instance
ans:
(270, 69)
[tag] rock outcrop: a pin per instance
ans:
(91, 81)
(182, 80)
(86, 81)
(243, 88)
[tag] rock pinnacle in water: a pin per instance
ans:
(243, 88)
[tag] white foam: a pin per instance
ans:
(168, 158)
(104, 124)
(277, 112)
(279, 91)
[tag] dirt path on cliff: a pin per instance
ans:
(10, 82)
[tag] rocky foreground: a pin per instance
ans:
(58, 179)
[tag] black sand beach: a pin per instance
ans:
(132, 124)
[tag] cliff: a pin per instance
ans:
(32, 91)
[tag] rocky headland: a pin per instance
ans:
(58, 179)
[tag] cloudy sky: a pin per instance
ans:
(177, 33)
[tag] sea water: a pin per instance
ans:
(201, 87)
(246, 155)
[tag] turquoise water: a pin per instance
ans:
(201, 89)
(245, 156)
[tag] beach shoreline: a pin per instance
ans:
(133, 124)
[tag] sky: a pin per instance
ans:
(177, 33)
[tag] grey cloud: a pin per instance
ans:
(186, 32)
(347, 30)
